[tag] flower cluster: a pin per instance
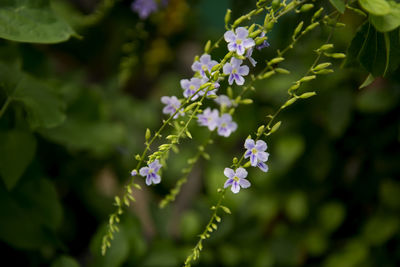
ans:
(240, 43)
(212, 120)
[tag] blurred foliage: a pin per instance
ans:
(73, 115)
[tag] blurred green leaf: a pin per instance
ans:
(65, 261)
(316, 242)
(380, 228)
(376, 7)
(30, 214)
(78, 134)
(17, 149)
(190, 225)
(370, 79)
(375, 100)
(331, 215)
(43, 106)
(296, 206)
(352, 254)
(390, 193)
(288, 149)
(339, 5)
(387, 22)
(32, 21)
(378, 53)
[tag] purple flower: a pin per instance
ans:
(224, 100)
(150, 172)
(144, 7)
(134, 173)
(209, 118)
(235, 71)
(172, 105)
(204, 64)
(238, 41)
(257, 154)
(190, 87)
(225, 125)
(236, 179)
(264, 44)
(248, 55)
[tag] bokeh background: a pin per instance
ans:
(331, 197)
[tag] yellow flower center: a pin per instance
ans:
(192, 87)
(254, 151)
(236, 178)
(238, 41)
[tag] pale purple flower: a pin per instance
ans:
(257, 154)
(236, 179)
(235, 71)
(225, 125)
(204, 64)
(238, 41)
(209, 118)
(144, 7)
(134, 173)
(264, 44)
(190, 87)
(150, 172)
(249, 53)
(172, 105)
(224, 100)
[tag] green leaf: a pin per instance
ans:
(375, 7)
(370, 79)
(30, 214)
(65, 261)
(389, 21)
(32, 21)
(44, 108)
(17, 149)
(339, 5)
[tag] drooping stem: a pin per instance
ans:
(5, 106)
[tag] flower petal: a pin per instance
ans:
(242, 33)
(261, 145)
(262, 156)
(148, 180)
(247, 154)
(262, 166)
(235, 62)
(228, 182)
(241, 173)
(243, 70)
(235, 187)
(144, 171)
(229, 36)
(239, 79)
(196, 66)
(231, 79)
(244, 183)
(232, 46)
(249, 143)
(240, 49)
(227, 69)
(228, 172)
(247, 43)
(185, 83)
(205, 59)
(253, 160)
(156, 179)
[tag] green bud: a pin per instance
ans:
(228, 17)
(239, 20)
(226, 209)
(260, 130)
(247, 164)
(306, 7)
(294, 87)
(311, 27)
(137, 157)
(251, 28)
(148, 134)
(191, 106)
(260, 40)
(235, 160)
(297, 30)
(229, 92)
(325, 71)
(269, 26)
(216, 67)
(275, 127)
(317, 14)
(275, 4)
(335, 55)
(289, 102)
(255, 33)
(322, 66)
(268, 74)
(325, 47)
(188, 134)
(207, 46)
(275, 60)
(307, 95)
(246, 101)
(307, 78)
(282, 71)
